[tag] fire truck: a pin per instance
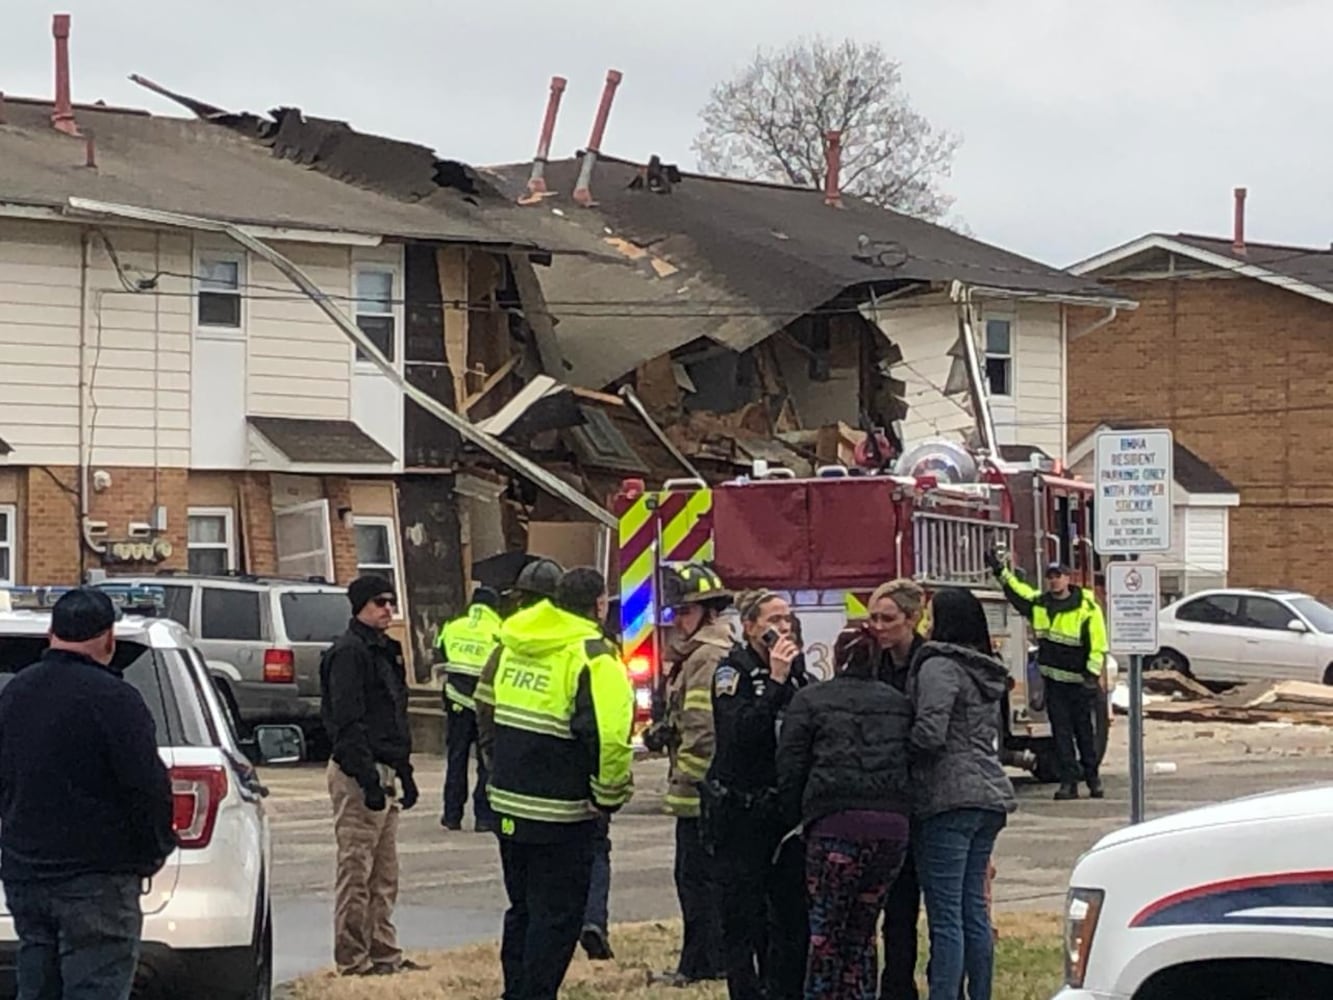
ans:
(826, 542)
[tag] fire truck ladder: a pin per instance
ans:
(951, 551)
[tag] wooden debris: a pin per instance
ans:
(1174, 683)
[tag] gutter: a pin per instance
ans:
(497, 449)
(1104, 301)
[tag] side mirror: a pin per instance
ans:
(278, 745)
(1297, 626)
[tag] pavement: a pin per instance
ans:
(452, 894)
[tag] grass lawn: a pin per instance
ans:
(1028, 967)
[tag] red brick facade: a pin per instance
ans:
(1240, 370)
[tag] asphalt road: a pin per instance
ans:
(451, 891)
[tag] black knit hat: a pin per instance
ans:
(82, 614)
(364, 589)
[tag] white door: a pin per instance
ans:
(302, 536)
(1207, 632)
(1274, 652)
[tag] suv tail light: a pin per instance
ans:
(279, 666)
(197, 794)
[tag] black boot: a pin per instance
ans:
(1067, 791)
(1095, 789)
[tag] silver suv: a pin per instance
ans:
(262, 637)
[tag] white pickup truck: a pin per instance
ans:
(1228, 902)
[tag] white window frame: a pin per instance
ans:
(330, 573)
(228, 516)
(395, 310)
(1010, 356)
(10, 542)
(202, 254)
(395, 563)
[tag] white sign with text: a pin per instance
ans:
(1132, 502)
(1133, 599)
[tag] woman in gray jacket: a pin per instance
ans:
(961, 795)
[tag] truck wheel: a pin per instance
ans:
(1046, 767)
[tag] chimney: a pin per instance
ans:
(537, 180)
(62, 116)
(833, 168)
(582, 190)
(1238, 231)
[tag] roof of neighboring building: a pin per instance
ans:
(1192, 473)
(324, 442)
(733, 261)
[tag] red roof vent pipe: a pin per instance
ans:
(1238, 230)
(833, 168)
(583, 190)
(62, 115)
(537, 180)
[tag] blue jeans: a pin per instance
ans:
(953, 852)
(78, 937)
(596, 914)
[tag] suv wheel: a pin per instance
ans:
(262, 956)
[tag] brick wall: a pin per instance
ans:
(339, 491)
(258, 552)
(1239, 370)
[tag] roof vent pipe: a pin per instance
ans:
(537, 180)
(833, 168)
(1238, 230)
(62, 115)
(582, 190)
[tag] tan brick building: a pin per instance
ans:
(1232, 348)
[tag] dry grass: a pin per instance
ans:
(1027, 968)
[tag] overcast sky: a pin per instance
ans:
(1083, 125)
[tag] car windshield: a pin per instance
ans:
(315, 616)
(1316, 613)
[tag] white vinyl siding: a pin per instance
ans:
(1039, 378)
(1206, 542)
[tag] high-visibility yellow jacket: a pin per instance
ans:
(689, 711)
(467, 643)
(1071, 632)
(554, 710)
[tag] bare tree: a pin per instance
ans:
(769, 122)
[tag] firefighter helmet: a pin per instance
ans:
(693, 583)
(539, 577)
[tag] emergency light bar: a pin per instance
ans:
(128, 599)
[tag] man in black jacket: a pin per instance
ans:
(85, 808)
(364, 704)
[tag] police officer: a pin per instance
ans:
(1071, 650)
(466, 643)
(764, 919)
(555, 708)
(700, 640)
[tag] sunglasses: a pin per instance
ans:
(385, 602)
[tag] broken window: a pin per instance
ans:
(602, 443)
(220, 278)
(999, 357)
(375, 311)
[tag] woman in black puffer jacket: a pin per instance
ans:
(843, 775)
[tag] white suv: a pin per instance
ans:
(207, 921)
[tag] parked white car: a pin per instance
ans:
(1247, 635)
(207, 922)
(1229, 902)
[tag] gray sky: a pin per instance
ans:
(1083, 125)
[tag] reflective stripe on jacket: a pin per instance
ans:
(1071, 632)
(467, 643)
(690, 713)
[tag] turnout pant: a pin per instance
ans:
(460, 739)
(367, 882)
(547, 886)
(597, 911)
(1069, 706)
(697, 890)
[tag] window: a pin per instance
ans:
(1262, 612)
(314, 616)
(177, 606)
(302, 536)
(220, 279)
(211, 540)
(1317, 614)
(376, 551)
(8, 533)
(230, 614)
(1218, 609)
(999, 357)
(375, 311)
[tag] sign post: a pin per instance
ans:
(1132, 504)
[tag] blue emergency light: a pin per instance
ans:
(129, 599)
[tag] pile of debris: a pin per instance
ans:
(1170, 695)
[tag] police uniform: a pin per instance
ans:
(764, 911)
(555, 708)
(467, 643)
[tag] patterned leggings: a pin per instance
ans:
(848, 881)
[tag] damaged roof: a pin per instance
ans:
(734, 261)
(295, 173)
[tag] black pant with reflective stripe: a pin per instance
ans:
(1069, 706)
(460, 736)
(547, 885)
(697, 890)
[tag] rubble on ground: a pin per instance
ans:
(1169, 695)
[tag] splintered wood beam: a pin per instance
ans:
(452, 264)
(492, 380)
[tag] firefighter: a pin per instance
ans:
(700, 641)
(554, 709)
(765, 931)
(466, 643)
(1071, 651)
(536, 582)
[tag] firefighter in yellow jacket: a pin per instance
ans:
(700, 640)
(554, 708)
(466, 643)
